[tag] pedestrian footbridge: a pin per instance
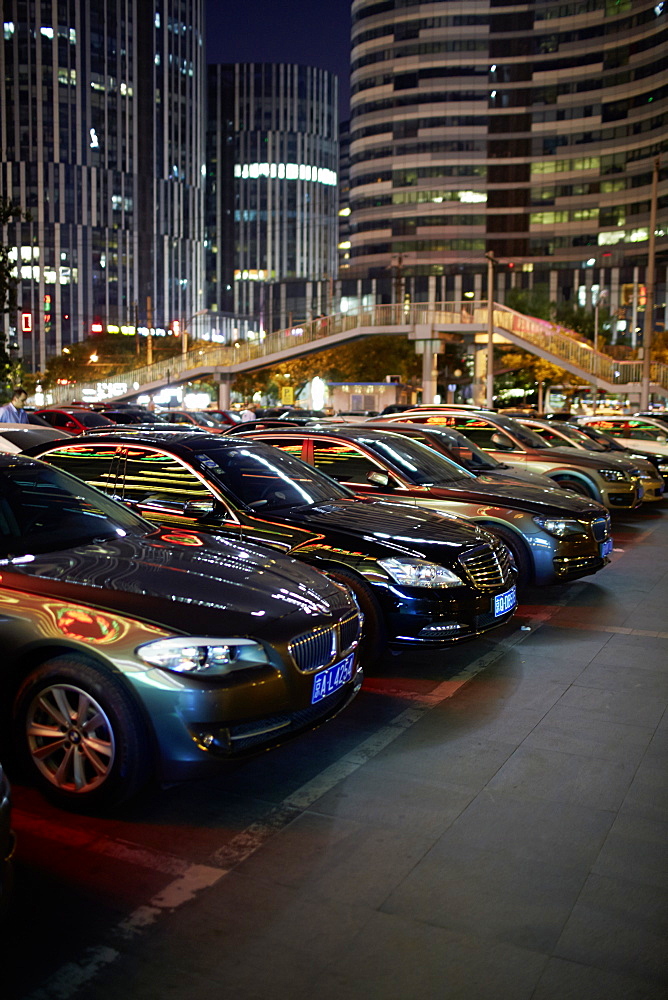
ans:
(421, 322)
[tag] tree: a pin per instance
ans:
(9, 212)
(367, 360)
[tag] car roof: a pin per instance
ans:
(175, 436)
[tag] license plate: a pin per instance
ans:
(332, 679)
(505, 602)
(606, 547)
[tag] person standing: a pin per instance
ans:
(13, 412)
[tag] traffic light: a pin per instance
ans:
(26, 322)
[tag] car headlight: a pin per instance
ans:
(419, 573)
(560, 527)
(197, 655)
(612, 475)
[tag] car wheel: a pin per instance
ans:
(519, 556)
(80, 735)
(577, 486)
(374, 635)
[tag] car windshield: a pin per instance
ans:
(523, 434)
(462, 451)
(45, 510)
(419, 463)
(205, 419)
(575, 434)
(265, 478)
(90, 419)
(607, 443)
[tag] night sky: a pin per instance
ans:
(310, 32)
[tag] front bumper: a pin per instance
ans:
(204, 722)
(415, 616)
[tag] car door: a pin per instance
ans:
(351, 465)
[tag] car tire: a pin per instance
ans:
(520, 557)
(80, 735)
(577, 486)
(374, 634)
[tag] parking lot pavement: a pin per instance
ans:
(501, 833)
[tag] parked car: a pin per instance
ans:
(129, 415)
(553, 535)
(198, 418)
(449, 442)
(7, 842)
(17, 437)
(566, 435)
(660, 462)
(612, 481)
(74, 420)
(648, 432)
(130, 652)
(421, 579)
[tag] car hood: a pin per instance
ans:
(513, 474)
(186, 583)
(599, 460)
(388, 526)
(550, 502)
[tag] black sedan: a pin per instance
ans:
(130, 652)
(419, 577)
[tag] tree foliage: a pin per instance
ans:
(367, 360)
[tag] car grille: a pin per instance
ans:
(487, 568)
(601, 528)
(315, 649)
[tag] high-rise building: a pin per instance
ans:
(272, 196)
(528, 129)
(102, 140)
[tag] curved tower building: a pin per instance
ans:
(102, 140)
(528, 129)
(273, 171)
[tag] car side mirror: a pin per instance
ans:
(201, 510)
(70, 425)
(379, 479)
(501, 442)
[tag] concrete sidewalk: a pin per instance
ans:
(509, 843)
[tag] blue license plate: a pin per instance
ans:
(505, 602)
(332, 679)
(606, 547)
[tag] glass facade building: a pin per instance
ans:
(528, 129)
(101, 139)
(272, 197)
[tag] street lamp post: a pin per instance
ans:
(490, 328)
(649, 299)
(184, 330)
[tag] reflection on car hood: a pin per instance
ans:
(521, 496)
(186, 582)
(601, 460)
(394, 526)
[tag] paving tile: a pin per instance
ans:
(489, 894)
(577, 731)
(635, 849)
(647, 796)
(619, 926)
(553, 776)
(635, 707)
(327, 858)
(376, 798)
(395, 959)
(563, 980)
